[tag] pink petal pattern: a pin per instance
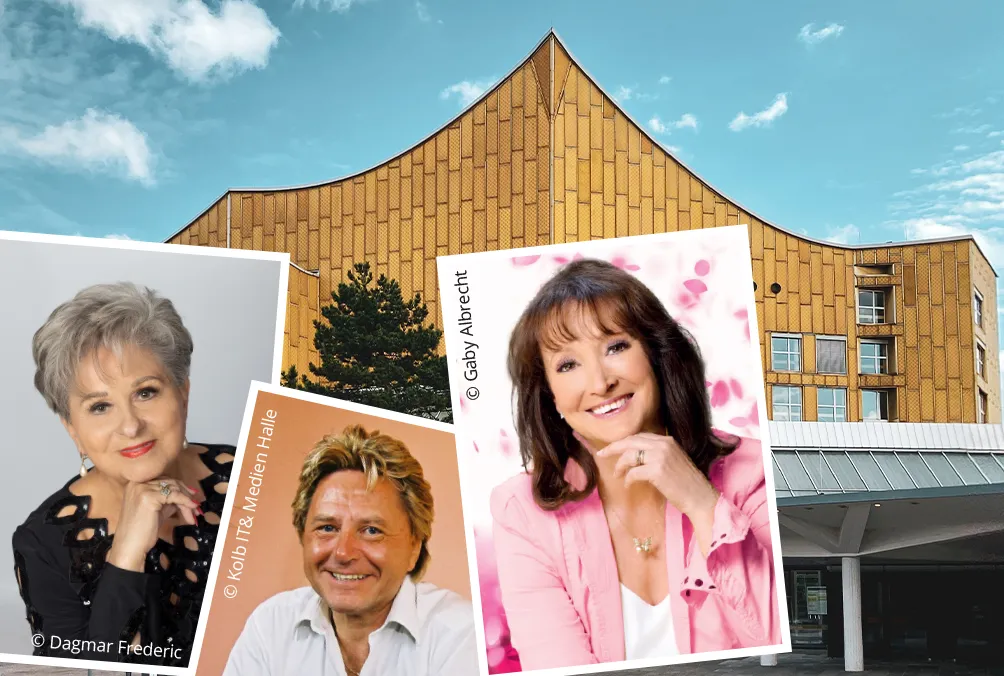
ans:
(564, 259)
(521, 261)
(719, 394)
(696, 286)
(623, 264)
(702, 268)
(505, 444)
(737, 389)
(744, 315)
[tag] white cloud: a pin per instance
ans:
(657, 125)
(959, 149)
(119, 236)
(762, 119)
(959, 198)
(686, 121)
(811, 37)
(627, 93)
(423, 12)
(981, 129)
(990, 162)
(968, 111)
(467, 91)
(97, 141)
(846, 235)
(333, 5)
(995, 134)
(665, 79)
(196, 41)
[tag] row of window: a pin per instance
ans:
(831, 354)
(873, 306)
(831, 404)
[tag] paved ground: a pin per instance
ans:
(792, 664)
(809, 664)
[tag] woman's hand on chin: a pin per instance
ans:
(665, 466)
(145, 508)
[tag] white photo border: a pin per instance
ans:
(280, 329)
(254, 392)
(446, 266)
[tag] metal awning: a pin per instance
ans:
(821, 472)
(813, 459)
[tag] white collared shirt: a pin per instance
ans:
(429, 631)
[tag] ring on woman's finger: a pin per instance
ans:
(640, 457)
(165, 488)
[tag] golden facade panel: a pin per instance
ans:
(547, 156)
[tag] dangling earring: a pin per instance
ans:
(83, 468)
(561, 415)
(184, 442)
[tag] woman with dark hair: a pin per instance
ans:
(638, 531)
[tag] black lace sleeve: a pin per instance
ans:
(79, 606)
(76, 605)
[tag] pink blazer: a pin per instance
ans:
(560, 586)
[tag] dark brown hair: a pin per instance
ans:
(546, 442)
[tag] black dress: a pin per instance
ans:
(96, 609)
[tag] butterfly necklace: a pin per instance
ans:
(644, 545)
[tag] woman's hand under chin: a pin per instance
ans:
(667, 467)
(144, 510)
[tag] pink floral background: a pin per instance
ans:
(705, 281)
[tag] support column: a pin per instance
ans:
(768, 660)
(854, 648)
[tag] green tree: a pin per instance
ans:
(375, 349)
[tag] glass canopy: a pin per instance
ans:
(799, 473)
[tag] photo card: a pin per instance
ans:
(346, 520)
(126, 372)
(610, 416)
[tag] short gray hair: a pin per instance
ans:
(110, 316)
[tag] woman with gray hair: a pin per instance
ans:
(113, 565)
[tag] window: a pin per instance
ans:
(981, 360)
(874, 356)
(786, 353)
(873, 269)
(831, 404)
(981, 413)
(874, 405)
(787, 402)
(978, 308)
(871, 306)
(831, 355)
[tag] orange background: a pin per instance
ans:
(274, 560)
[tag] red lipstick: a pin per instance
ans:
(137, 450)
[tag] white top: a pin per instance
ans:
(648, 630)
(429, 631)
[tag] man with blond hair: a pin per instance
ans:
(363, 511)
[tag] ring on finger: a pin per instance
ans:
(640, 457)
(165, 488)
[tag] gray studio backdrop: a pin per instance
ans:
(228, 304)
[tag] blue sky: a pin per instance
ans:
(856, 121)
